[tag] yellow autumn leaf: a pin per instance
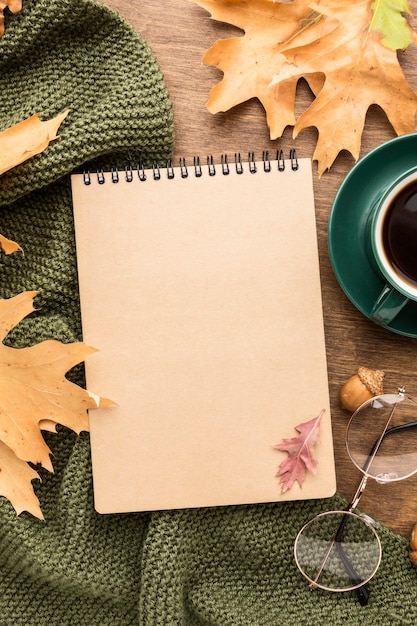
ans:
(8, 246)
(13, 5)
(36, 395)
(21, 142)
(27, 138)
(16, 482)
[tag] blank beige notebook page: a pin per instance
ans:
(202, 296)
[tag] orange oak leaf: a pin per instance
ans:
(35, 395)
(13, 5)
(16, 482)
(25, 139)
(8, 246)
(300, 453)
(345, 50)
(21, 142)
(250, 62)
(359, 71)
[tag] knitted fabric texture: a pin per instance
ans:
(228, 566)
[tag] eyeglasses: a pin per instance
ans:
(341, 550)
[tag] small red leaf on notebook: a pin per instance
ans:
(300, 453)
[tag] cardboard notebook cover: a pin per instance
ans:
(202, 296)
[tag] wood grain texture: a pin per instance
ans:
(179, 32)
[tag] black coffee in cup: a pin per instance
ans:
(399, 233)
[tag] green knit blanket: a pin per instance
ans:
(229, 566)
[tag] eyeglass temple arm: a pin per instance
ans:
(362, 592)
(389, 431)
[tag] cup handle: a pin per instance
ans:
(388, 304)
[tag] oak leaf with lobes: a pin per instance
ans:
(13, 5)
(8, 246)
(346, 51)
(35, 395)
(300, 453)
(20, 143)
(26, 139)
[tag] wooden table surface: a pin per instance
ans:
(179, 32)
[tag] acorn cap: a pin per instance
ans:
(372, 379)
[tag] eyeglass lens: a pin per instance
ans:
(338, 551)
(382, 438)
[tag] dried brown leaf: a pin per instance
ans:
(359, 71)
(249, 62)
(25, 139)
(13, 5)
(35, 395)
(346, 51)
(8, 246)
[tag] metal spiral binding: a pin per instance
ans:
(294, 160)
(114, 175)
(281, 161)
(252, 164)
(238, 163)
(225, 165)
(211, 166)
(197, 167)
(266, 161)
(142, 173)
(170, 169)
(156, 171)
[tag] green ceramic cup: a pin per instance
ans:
(393, 240)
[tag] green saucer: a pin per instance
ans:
(349, 248)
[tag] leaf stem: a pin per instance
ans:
(310, 20)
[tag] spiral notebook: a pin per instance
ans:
(200, 288)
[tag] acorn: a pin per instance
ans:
(362, 386)
(413, 545)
